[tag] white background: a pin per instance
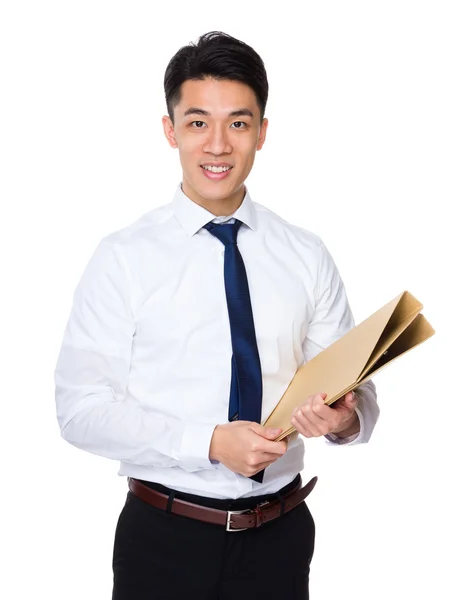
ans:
(361, 149)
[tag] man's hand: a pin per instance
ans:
(245, 447)
(315, 418)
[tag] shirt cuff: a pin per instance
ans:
(195, 447)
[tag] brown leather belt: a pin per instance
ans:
(233, 520)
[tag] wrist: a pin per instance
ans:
(349, 427)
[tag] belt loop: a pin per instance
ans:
(258, 513)
(170, 500)
(282, 503)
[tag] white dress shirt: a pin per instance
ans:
(144, 372)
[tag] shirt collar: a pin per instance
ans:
(193, 217)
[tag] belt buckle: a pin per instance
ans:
(254, 510)
(228, 520)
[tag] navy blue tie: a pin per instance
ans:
(245, 399)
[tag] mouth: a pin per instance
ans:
(216, 172)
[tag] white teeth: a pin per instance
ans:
(216, 169)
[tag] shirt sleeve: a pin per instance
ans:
(92, 373)
(332, 318)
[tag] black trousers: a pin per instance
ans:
(161, 556)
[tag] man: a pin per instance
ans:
(186, 328)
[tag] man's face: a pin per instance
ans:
(217, 128)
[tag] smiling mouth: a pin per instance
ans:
(216, 173)
(211, 169)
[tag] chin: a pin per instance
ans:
(217, 192)
(212, 191)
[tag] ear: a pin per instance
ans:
(262, 134)
(169, 131)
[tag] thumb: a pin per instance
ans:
(350, 400)
(269, 433)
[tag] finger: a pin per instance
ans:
(347, 403)
(274, 448)
(321, 396)
(261, 462)
(319, 416)
(316, 412)
(260, 445)
(269, 433)
(266, 464)
(268, 456)
(305, 427)
(351, 400)
(314, 405)
(250, 471)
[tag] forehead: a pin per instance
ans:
(216, 97)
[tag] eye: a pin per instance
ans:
(197, 124)
(239, 124)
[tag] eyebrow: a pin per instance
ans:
(241, 112)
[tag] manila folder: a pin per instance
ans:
(354, 358)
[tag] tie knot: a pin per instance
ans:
(225, 232)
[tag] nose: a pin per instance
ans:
(217, 141)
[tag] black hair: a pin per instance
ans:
(220, 56)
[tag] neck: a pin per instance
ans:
(221, 207)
